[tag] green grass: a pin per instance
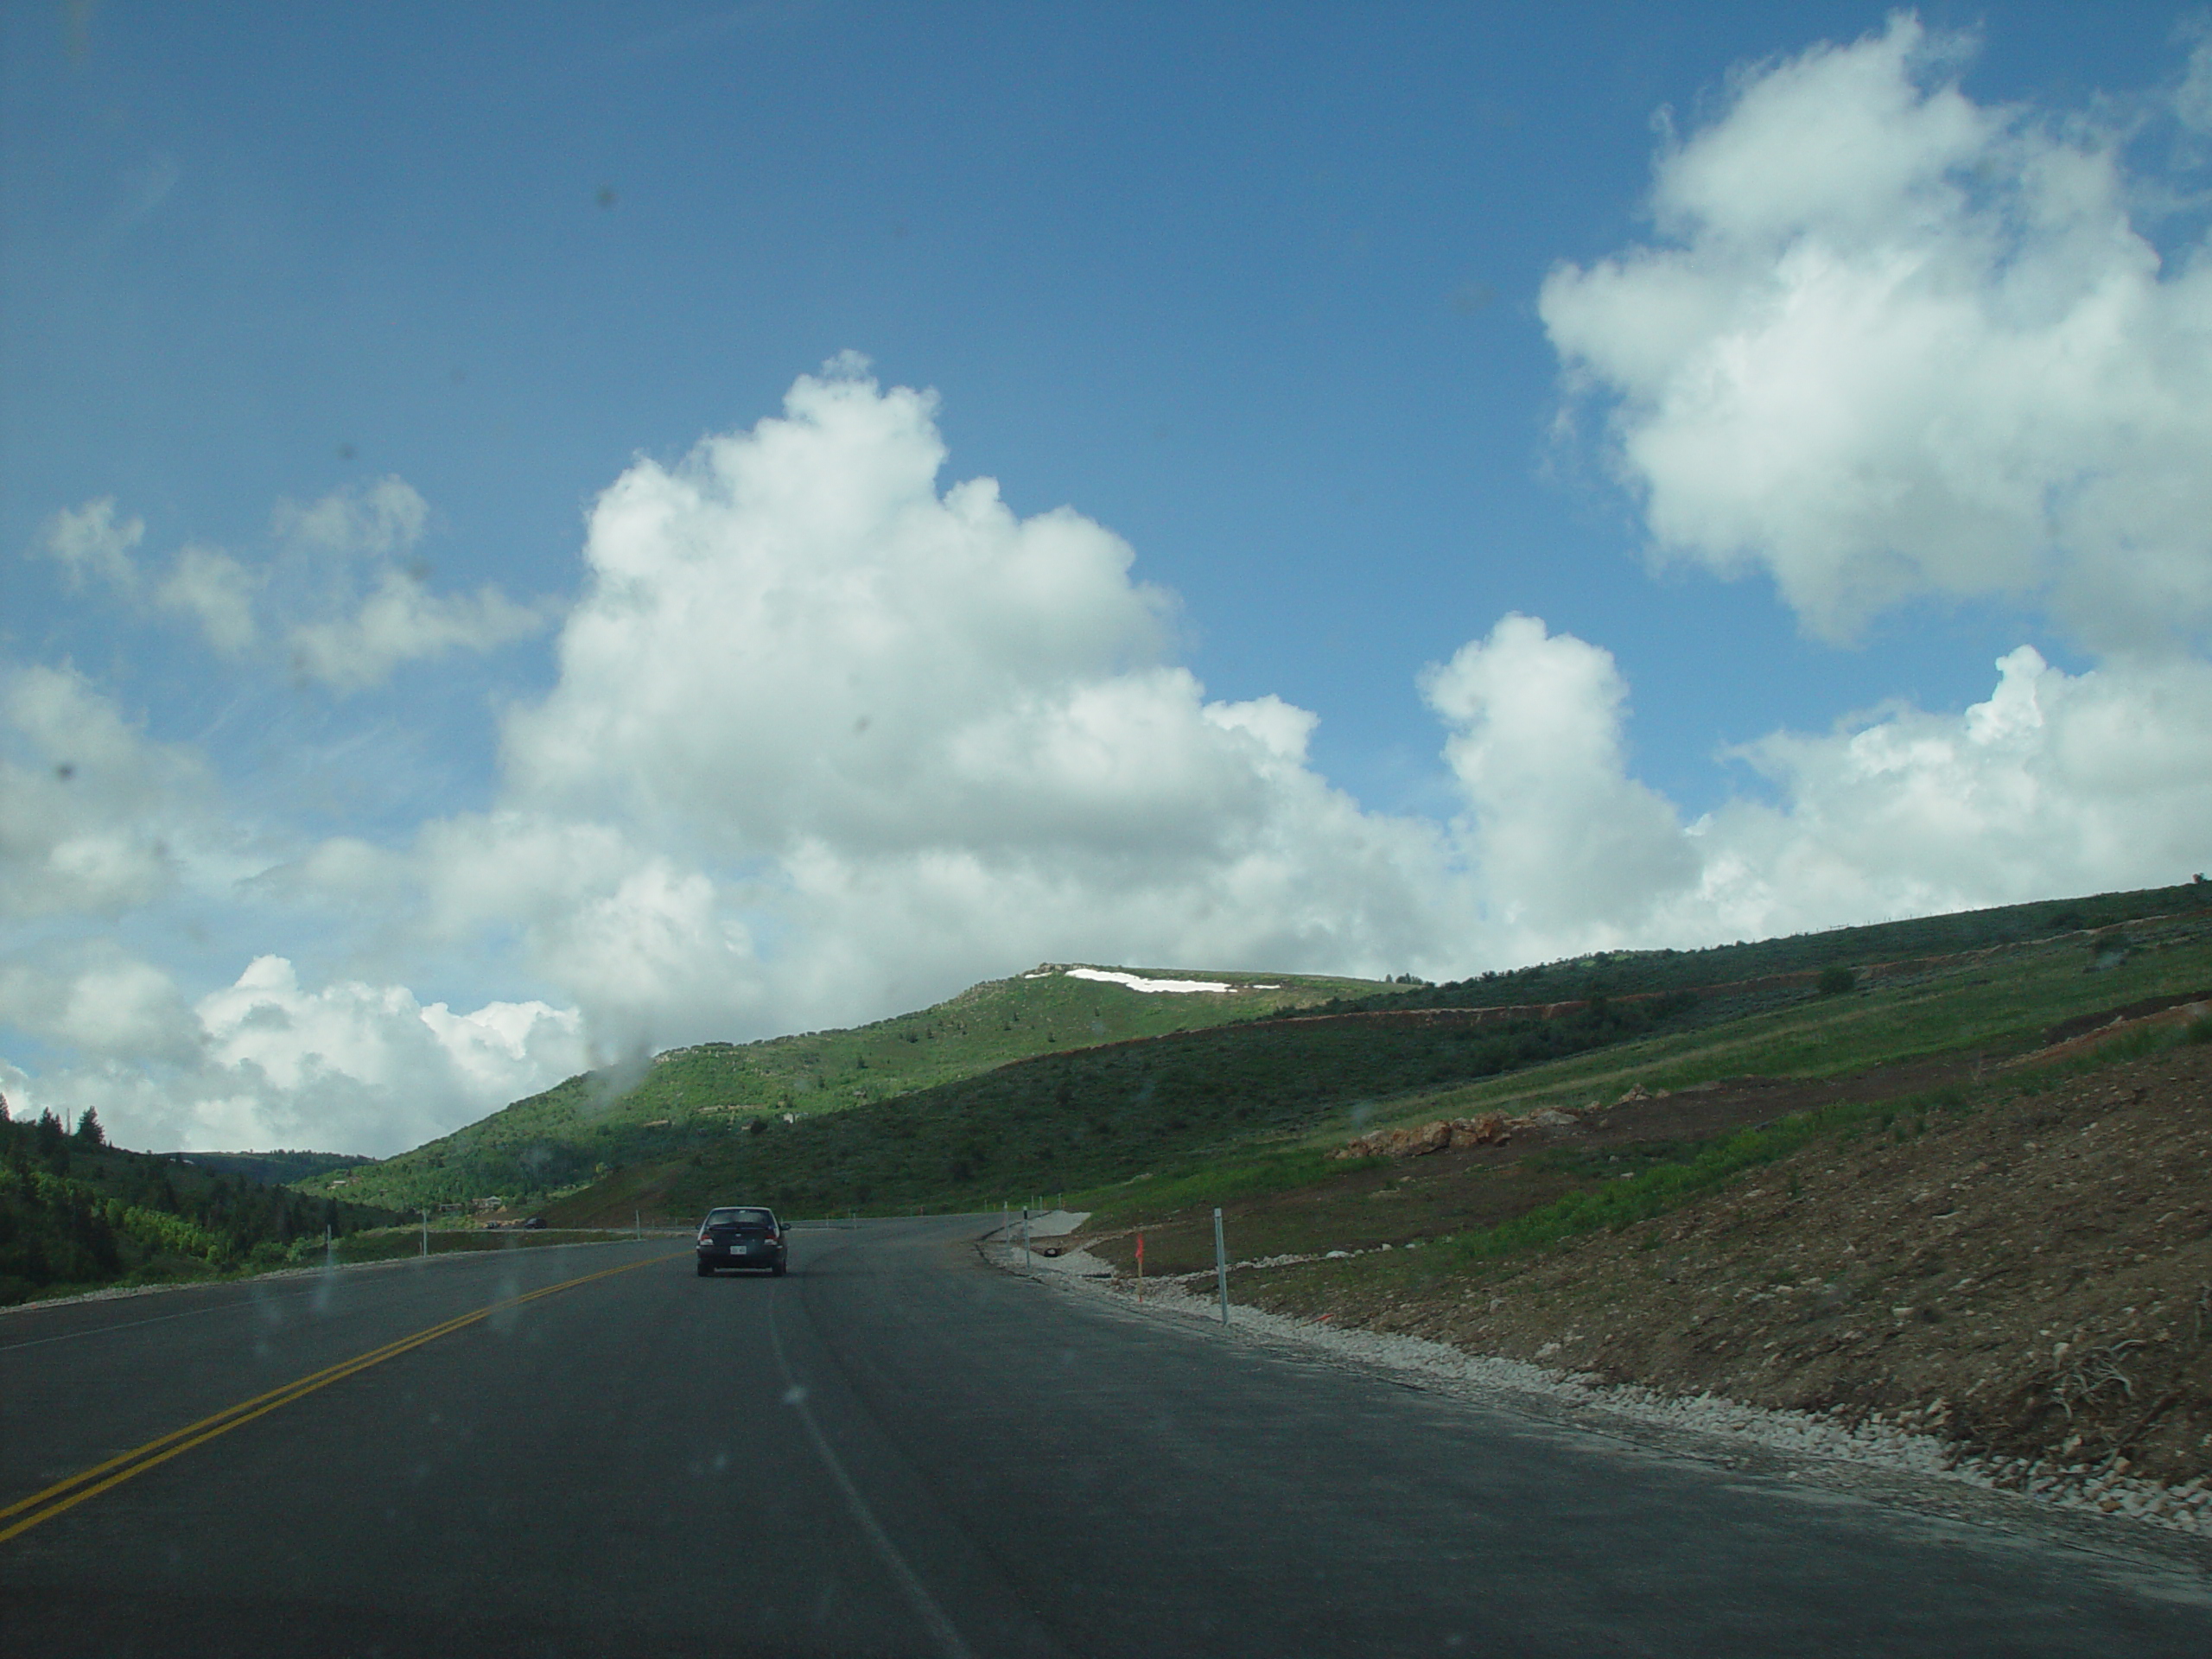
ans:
(1213, 1182)
(2000, 1004)
(1662, 1180)
(1668, 1185)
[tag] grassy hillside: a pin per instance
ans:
(1065, 1120)
(1624, 973)
(2000, 1002)
(688, 1096)
(1250, 1106)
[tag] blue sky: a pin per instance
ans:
(1290, 301)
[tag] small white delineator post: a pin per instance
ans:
(1221, 1264)
(426, 1232)
(1024, 1234)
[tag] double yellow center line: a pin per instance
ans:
(21, 1516)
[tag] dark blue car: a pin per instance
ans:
(742, 1236)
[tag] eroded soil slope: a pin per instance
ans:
(2032, 1279)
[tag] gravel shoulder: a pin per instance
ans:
(2002, 1315)
(1896, 1468)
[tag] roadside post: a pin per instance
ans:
(329, 1254)
(426, 1232)
(1025, 1235)
(1140, 1264)
(638, 1222)
(1221, 1264)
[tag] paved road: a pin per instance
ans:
(895, 1451)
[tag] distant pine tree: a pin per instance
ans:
(52, 1143)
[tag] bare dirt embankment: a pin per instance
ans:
(2031, 1280)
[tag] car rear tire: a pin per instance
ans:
(778, 1269)
(706, 1271)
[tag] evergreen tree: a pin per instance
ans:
(89, 1135)
(52, 1142)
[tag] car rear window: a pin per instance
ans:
(763, 1219)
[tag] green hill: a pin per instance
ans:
(602, 1121)
(1190, 1100)
(1065, 1121)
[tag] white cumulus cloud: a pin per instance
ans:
(1889, 343)
(1564, 837)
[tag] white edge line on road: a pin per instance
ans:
(132, 1324)
(948, 1639)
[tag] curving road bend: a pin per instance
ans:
(897, 1450)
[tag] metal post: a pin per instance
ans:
(638, 1222)
(1221, 1264)
(426, 1232)
(1024, 1234)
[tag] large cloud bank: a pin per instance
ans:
(831, 736)
(826, 740)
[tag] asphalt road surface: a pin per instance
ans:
(897, 1450)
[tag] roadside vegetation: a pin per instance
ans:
(78, 1214)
